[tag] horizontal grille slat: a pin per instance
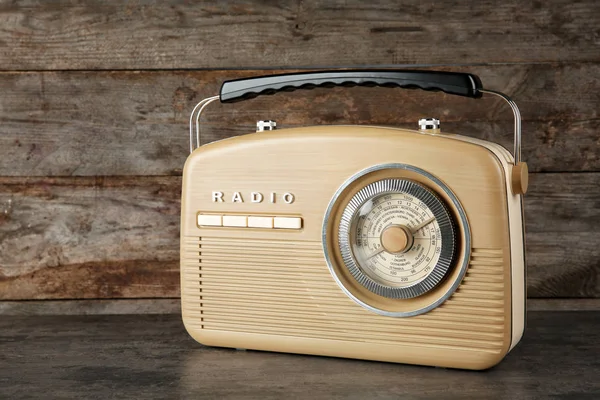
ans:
(338, 317)
(207, 256)
(245, 329)
(289, 264)
(489, 282)
(285, 288)
(339, 312)
(308, 306)
(277, 295)
(442, 337)
(337, 335)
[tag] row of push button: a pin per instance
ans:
(244, 221)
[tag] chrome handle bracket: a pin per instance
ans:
(517, 115)
(195, 121)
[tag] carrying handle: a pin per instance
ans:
(455, 83)
(460, 84)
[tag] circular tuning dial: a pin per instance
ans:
(397, 238)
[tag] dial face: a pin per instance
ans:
(397, 238)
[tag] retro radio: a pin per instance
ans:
(366, 242)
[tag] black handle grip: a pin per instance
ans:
(461, 84)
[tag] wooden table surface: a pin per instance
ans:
(151, 356)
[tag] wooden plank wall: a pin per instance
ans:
(95, 97)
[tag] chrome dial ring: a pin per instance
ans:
(447, 236)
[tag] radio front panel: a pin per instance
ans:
(263, 262)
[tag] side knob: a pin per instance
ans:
(520, 178)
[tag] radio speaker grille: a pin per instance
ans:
(285, 288)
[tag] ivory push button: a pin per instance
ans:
(260, 222)
(210, 220)
(235, 220)
(287, 222)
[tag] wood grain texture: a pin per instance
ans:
(562, 213)
(94, 307)
(92, 89)
(92, 34)
(136, 123)
(563, 304)
(173, 306)
(152, 357)
(89, 237)
(66, 238)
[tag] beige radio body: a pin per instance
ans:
(268, 274)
